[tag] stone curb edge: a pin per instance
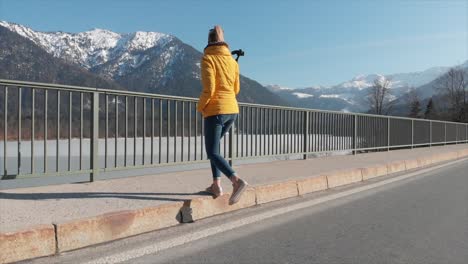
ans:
(47, 240)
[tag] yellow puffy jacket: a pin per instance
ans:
(220, 80)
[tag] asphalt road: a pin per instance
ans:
(420, 217)
(422, 220)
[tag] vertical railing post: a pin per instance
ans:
(445, 133)
(430, 133)
(305, 148)
(94, 138)
(5, 131)
(388, 133)
(45, 130)
(412, 133)
(355, 134)
(456, 134)
(106, 127)
(33, 135)
(231, 139)
(19, 129)
(57, 147)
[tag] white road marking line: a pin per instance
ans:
(159, 246)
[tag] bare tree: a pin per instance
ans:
(414, 103)
(379, 97)
(454, 87)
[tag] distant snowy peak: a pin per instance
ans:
(275, 87)
(20, 29)
(144, 40)
(317, 87)
(96, 38)
(303, 95)
(416, 79)
(399, 80)
(92, 48)
(330, 96)
(361, 82)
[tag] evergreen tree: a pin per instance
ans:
(414, 104)
(415, 109)
(430, 112)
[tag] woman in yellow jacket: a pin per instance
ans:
(218, 105)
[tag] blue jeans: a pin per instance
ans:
(215, 128)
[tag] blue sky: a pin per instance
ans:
(292, 43)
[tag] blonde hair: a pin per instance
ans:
(215, 35)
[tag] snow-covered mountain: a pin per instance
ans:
(398, 80)
(21, 59)
(97, 47)
(278, 88)
(416, 79)
(161, 63)
(139, 61)
(351, 95)
(359, 82)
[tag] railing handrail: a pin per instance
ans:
(182, 98)
(87, 89)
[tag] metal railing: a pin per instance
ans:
(53, 130)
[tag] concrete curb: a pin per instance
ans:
(278, 191)
(423, 162)
(38, 241)
(111, 226)
(203, 207)
(396, 166)
(374, 171)
(344, 177)
(310, 185)
(51, 239)
(462, 153)
(411, 164)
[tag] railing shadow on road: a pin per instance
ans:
(94, 195)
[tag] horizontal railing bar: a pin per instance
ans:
(458, 141)
(439, 143)
(148, 95)
(387, 147)
(50, 174)
(343, 113)
(148, 166)
(405, 146)
(47, 86)
(90, 90)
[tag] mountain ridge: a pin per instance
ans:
(39, 66)
(139, 61)
(351, 95)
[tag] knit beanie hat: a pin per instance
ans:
(216, 35)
